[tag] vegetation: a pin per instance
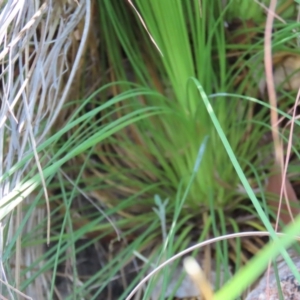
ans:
(165, 140)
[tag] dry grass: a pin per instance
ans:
(41, 47)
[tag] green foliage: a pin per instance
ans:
(188, 43)
(173, 92)
(256, 11)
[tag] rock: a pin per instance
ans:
(267, 289)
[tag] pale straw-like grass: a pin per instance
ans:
(36, 73)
